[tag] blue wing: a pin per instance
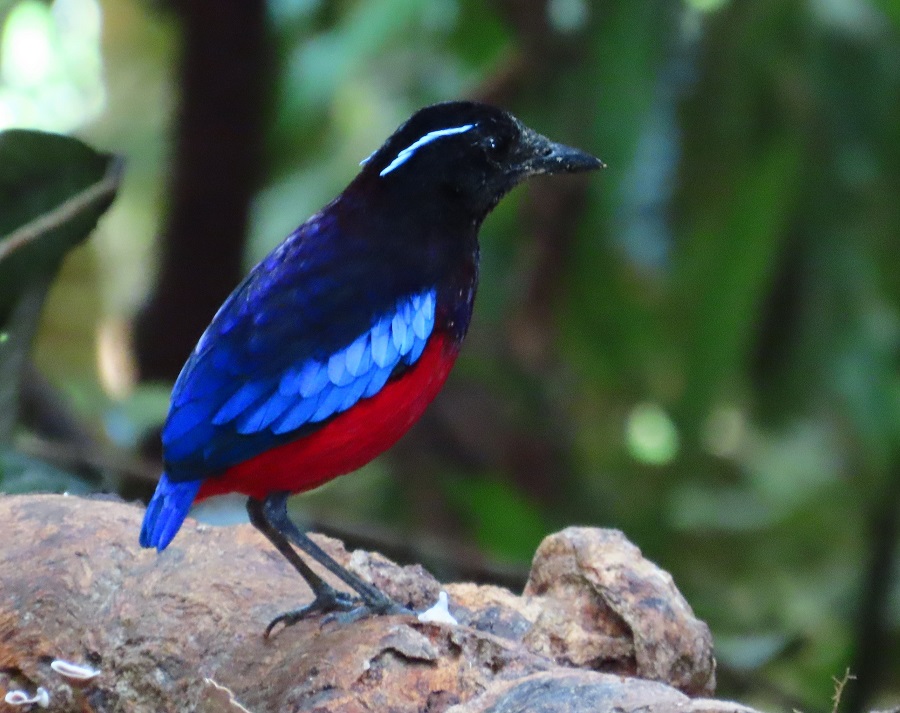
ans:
(260, 412)
(243, 391)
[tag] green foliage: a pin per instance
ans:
(53, 189)
(729, 278)
(503, 522)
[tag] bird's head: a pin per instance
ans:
(468, 155)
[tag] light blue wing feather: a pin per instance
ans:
(267, 410)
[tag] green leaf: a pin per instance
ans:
(502, 519)
(53, 190)
(727, 269)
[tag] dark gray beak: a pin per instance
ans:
(541, 155)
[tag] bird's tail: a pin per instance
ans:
(166, 511)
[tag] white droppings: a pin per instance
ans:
(406, 153)
(20, 698)
(75, 671)
(439, 613)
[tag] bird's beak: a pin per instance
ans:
(541, 155)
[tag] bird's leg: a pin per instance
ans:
(274, 509)
(327, 598)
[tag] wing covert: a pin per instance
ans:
(211, 427)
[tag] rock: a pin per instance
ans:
(183, 630)
(604, 606)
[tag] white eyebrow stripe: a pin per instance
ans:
(405, 154)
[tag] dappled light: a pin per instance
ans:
(51, 65)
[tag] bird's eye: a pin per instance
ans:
(497, 146)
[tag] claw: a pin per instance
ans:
(327, 602)
(347, 617)
(360, 612)
(339, 607)
(391, 607)
(382, 604)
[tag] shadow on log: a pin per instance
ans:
(598, 627)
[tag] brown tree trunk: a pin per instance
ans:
(216, 166)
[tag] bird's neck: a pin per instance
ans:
(420, 244)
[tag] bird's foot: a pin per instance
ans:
(381, 605)
(340, 607)
(328, 601)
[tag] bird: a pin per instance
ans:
(335, 343)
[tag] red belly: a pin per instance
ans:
(349, 441)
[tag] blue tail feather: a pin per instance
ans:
(166, 511)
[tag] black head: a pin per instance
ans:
(467, 155)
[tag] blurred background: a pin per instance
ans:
(699, 346)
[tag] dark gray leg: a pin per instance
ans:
(270, 517)
(327, 598)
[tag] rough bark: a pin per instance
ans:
(598, 627)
